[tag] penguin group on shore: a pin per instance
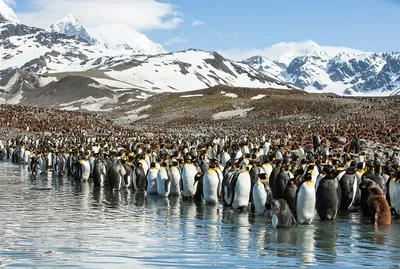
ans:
(282, 180)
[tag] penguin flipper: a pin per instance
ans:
(219, 191)
(294, 220)
(354, 193)
(167, 185)
(233, 187)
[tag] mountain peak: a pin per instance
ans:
(7, 14)
(122, 36)
(71, 19)
(70, 25)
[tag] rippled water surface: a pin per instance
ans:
(74, 225)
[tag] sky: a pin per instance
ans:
(233, 25)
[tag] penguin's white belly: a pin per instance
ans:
(267, 169)
(210, 186)
(274, 221)
(358, 179)
(162, 180)
(259, 198)
(152, 181)
(397, 197)
(189, 187)
(392, 193)
(175, 184)
(315, 174)
(225, 158)
(305, 203)
(85, 170)
(238, 155)
(27, 157)
(242, 191)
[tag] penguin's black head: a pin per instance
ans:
(263, 176)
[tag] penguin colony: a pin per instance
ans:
(282, 180)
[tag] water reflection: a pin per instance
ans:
(78, 225)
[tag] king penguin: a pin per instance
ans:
(151, 178)
(240, 187)
(164, 180)
(328, 197)
(176, 178)
(305, 200)
(280, 214)
(262, 194)
(189, 185)
(211, 185)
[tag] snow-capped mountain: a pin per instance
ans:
(337, 70)
(72, 27)
(115, 84)
(121, 36)
(114, 36)
(7, 14)
(285, 52)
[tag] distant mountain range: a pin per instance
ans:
(113, 66)
(337, 70)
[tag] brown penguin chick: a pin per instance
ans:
(380, 211)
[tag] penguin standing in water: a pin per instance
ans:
(35, 168)
(163, 180)
(84, 169)
(262, 194)
(198, 180)
(254, 173)
(128, 177)
(116, 176)
(290, 195)
(151, 178)
(348, 186)
(274, 174)
(328, 197)
(176, 178)
(240, 189)
(211, 185)
(365, 188)
(189, 185)
(99, 174)
(280, 214)
(281, 182)
(59, 164)
(140, 182)
(379, 208)
(226, 185)
(305, 200)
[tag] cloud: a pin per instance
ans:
(176, 40)
(240, 54)
(11, 3)
(198, 23)
(138, 14)
(227, 35)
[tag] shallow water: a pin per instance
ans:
(73, 225)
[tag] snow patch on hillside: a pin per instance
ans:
(232, 113)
